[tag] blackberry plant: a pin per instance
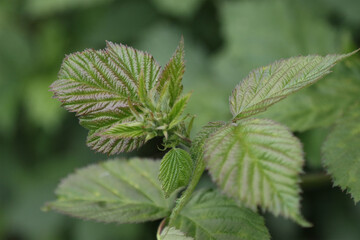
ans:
(124, 98)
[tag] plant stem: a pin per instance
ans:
(315, 180)
(161, 227)
(185, 197)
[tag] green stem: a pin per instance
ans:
(315, 180)
(184, 140)
(185, 197)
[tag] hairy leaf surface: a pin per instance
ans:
(173, 234)
(175, 170)
(258, 162)
(99, 86)
(114, 191)
(322, 104)
(127, 129)
(212, 216)
(178, 108)
(121, 96)
(341, 152)
(268, 85)
(197, 147)
(173, 73)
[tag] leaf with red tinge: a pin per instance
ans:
(114, 89)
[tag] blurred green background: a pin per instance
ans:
(40, 142)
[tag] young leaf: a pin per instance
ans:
(112, 145)
(341, 152)
(126, 130)
(114, 191)
(98, 86)
(175, 170)
(212, 216)
(172, 234)
(177, 110)
(173, 73)
(258, 162)
(142, 92)
(268, 85)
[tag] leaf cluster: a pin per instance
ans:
(124, 98)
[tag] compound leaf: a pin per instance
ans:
(341, 152)
(172, 234)
(114, 191)
(268, 85)
(212, 216)
(258, 162)
(175, 170)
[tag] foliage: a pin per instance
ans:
(121, 96)
(268, 85)
(258, 162)
(125, 99)
(175, 170)
(341, 152)
(225, 40)
(115, 191)
(172, 234)
(210, 215)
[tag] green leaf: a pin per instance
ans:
(173, 73)
(120, 95)
(100, 85)
(341, 152)
(142, 92)
(212, 216)
(279, 29)
(197, 147)
(178, 108)
(258, 162)
(270, 84)
(126, 130)
(175, 170)
(114, 191)
(112, 145)
(172, 234)
(319, 105)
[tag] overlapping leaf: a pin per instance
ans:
(268, 85)
(341, 152)
(175, 170)
(173, 74)
(258, 162)
(212, 216)
(319, 105)
(173, 234)
(197, 147)
(114, 191)
(113, 90)
(100, 85)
